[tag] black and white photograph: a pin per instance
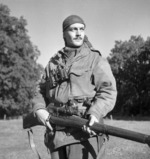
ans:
(74, 79)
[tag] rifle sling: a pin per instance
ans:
(32, 144)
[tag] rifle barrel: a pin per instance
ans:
(77, 122)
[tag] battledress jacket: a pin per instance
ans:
(89, 77)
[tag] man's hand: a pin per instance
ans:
(43, 115)
(92, 120)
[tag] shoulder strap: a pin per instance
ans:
(32, 144)
(94, 50)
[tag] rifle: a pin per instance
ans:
(72, 120)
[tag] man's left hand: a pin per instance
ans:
(92, 120)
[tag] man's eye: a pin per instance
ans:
(75, 29)
(72, 29)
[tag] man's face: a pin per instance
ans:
(74, 35)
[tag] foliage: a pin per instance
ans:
(130, 61)
(19, 70)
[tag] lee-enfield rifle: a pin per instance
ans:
(67, 117)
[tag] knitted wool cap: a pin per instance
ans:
(71, 20)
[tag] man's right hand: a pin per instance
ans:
(42, 116)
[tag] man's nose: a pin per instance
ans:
(78, 32)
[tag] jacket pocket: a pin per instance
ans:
(79, 70)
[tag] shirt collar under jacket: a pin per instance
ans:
(71, 55)
(71, 52)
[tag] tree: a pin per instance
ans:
(19, 70)
(130, 64)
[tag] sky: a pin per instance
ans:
(106, 21)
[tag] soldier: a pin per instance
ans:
(76, 75)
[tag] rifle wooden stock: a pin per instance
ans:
(74, 121)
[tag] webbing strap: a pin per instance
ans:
(32, 144)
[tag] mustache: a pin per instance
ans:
(78, 38)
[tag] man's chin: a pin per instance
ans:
(75, 45)
(78, 44)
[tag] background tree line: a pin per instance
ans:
(130, 62)
(20, 72)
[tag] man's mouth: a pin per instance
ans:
(78, 39)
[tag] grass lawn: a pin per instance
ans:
(14, 141)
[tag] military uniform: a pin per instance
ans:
(78, 76)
